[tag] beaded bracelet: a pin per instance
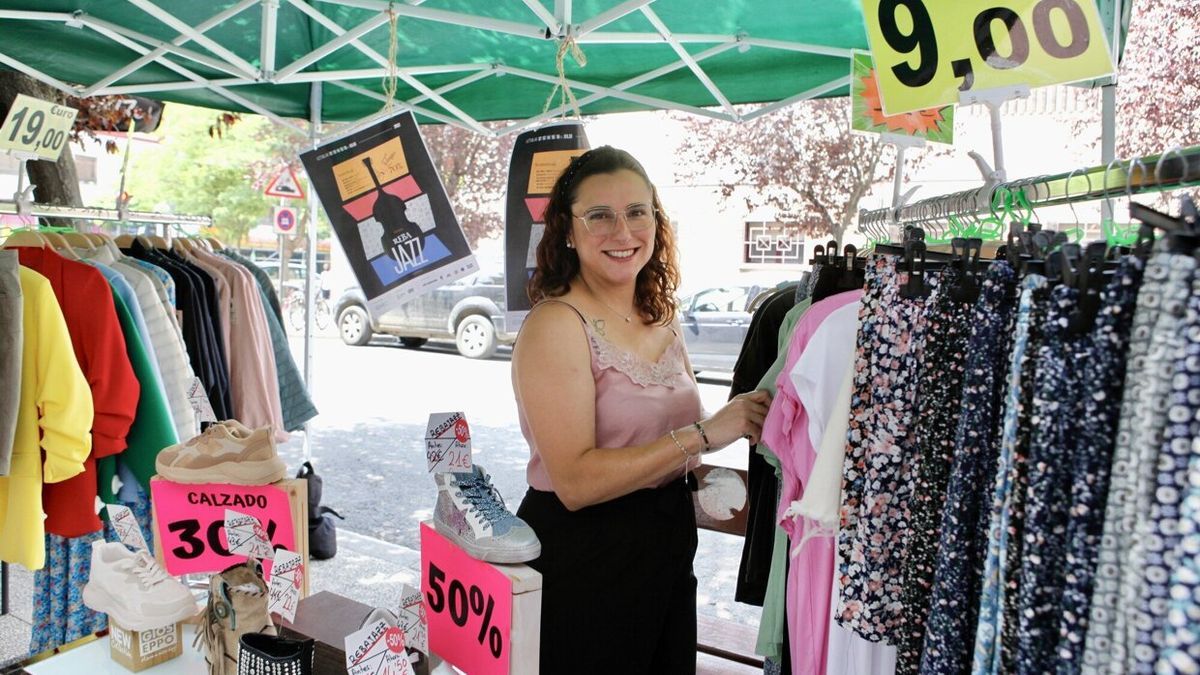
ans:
(687, 457)
(703, 437)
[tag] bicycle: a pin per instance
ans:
(294, 311)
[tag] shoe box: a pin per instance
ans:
(139, 650)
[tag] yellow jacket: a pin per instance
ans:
(56, 405)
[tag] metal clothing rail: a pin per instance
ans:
(1171, 170)
(91, 213)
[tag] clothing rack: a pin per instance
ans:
(1171, 170)
(95, 213)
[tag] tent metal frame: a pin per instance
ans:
(1174, 169)
(561, 24)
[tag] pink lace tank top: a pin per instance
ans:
(637, 401)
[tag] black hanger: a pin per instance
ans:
(914, 265)
(1012, 248)
(818, 255)
(965, 255)
(1183, 235)
(1145, 242)
(1072, 254)
(1090, 282)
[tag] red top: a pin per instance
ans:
(87, 305)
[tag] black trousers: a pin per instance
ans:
(618, 591)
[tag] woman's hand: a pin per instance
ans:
(742, 417)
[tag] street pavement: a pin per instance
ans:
(368, 445)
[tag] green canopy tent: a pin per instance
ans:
(459, 62)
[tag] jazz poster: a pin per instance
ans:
(390, 211)
(539, 158)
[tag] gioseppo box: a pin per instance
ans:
(140, 649)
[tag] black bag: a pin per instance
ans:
(322, 531)
(261, 654)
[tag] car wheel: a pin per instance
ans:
(412, 343)
(476, 337)
(354, 326)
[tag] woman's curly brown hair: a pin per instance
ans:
(558, 265)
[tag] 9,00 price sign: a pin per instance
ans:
(37, 127)
(928, 51)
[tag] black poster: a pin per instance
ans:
(539, 158)
(390, 211)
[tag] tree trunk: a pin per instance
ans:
(57, 183)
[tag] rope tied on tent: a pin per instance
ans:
(566, 45)
(389, 80)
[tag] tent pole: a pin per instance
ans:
(310, 261)
(1108, 139)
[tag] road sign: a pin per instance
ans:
(286, 185)
(928, 52)
(37, 127)
(285, 219)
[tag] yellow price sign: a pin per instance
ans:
(37, 127)
(931, 51)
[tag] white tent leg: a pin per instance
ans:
(310, 261)
(1108, 139)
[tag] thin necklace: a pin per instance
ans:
(627, 317)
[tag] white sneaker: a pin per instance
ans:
(134, 590)
(472, 514)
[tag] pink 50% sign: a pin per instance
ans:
(469, 607)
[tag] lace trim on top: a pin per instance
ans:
(662, 372)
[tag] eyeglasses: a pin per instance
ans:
(602, 220)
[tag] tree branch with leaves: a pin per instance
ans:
(801, 161)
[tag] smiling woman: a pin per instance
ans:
(613, 418)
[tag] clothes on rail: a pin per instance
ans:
(941, 388)
(11, 332)
(114, 349)
(1020, 484)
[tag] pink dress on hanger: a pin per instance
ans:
(787, 431)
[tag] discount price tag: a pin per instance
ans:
(190, 520)
(448, 443)
(287, 576)
(929, 51)
(37, 127)
(126, 525)
(468, 606)
(412, 618)
(244, 535)
(377, 649)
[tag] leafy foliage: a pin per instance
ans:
(801, 161)
(189, 171)
(474, 169)
(1158, 96)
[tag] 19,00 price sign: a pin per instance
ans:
(37, 127)
(928, 51)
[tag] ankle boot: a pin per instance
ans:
(272, 655)
(237, 605)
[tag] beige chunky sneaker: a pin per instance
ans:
(237, 606)
(227, 452)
